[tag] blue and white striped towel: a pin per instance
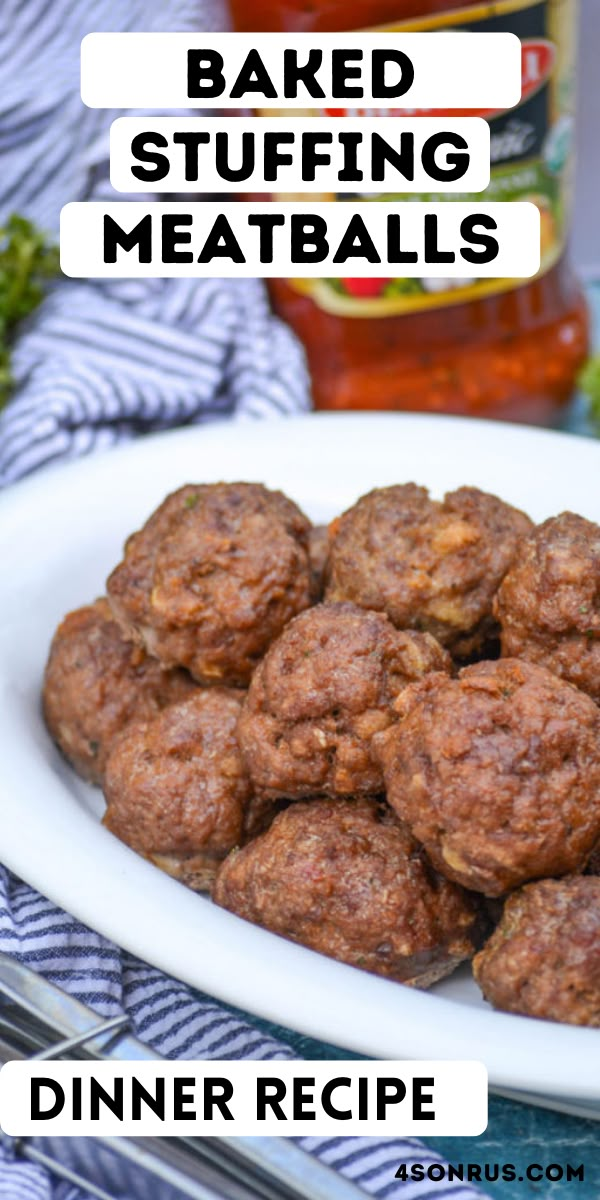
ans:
(179, 1025)
(100, 363)
(104, 361)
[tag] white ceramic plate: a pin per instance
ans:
(60, 534)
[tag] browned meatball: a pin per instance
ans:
(549, 603)
(96, 683)
(428, 565)
(497, 773)
(176, 787)
(543, 960)
(318, 547)
(325, 687)
(213, 577)
(344, 878)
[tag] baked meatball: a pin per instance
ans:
(96, 683)
(324, 688)
(543, 960)
(497, 773)
(318, 550)
(429, 565)
(176, 787)
(549, 603)
(213, 577)
(343, 877)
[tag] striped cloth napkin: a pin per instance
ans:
(104, 361)
(98, 364)
(178, 1024)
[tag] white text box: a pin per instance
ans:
(451, 70)
(409, 240)
(434, 147)
(293, 1099)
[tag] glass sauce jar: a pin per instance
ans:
(501, 348)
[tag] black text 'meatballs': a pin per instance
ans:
(301, 237)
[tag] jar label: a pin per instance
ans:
(531, 156)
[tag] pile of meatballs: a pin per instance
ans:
(380, 739)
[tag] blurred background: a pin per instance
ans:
(514, 352)
(586, 227)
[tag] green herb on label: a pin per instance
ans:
(27, 261)
(589, 382)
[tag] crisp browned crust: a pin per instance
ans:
(325, 687)
(429, 565)
(96, 683)
(213, 577)
(549, 603)
(343, 877)
(176, 787)
(497, 773)
(543, 960)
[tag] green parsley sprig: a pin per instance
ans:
(27, 262)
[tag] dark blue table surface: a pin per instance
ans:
(517, 1133)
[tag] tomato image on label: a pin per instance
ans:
(365, 287)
